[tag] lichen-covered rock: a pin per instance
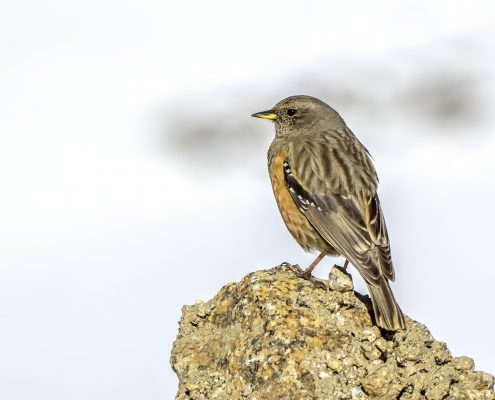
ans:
(275, 335)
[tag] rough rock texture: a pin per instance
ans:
(275, 335)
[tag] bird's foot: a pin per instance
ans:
(318, 283)
(306, 274)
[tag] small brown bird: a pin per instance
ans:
(325, 185)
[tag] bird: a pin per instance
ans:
(325, 186)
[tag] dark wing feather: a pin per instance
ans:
(350, 221)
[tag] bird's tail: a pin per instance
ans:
(388, 314)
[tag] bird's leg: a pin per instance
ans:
(307, 272)
(346, 263)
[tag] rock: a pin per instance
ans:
(275, 335)
(340, 280)
(463, 363)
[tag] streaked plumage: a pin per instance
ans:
(325, 186)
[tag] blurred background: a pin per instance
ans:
(133, 180)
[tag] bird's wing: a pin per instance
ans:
(338, 196)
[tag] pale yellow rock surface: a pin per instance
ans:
(275, 335)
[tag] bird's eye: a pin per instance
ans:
(291, 112)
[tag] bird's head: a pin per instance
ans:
(298, 114)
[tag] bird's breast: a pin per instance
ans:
(294, 219)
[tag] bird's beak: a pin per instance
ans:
(270, 114)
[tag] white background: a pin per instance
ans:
(133, 180)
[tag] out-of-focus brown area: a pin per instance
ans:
(439, 95)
